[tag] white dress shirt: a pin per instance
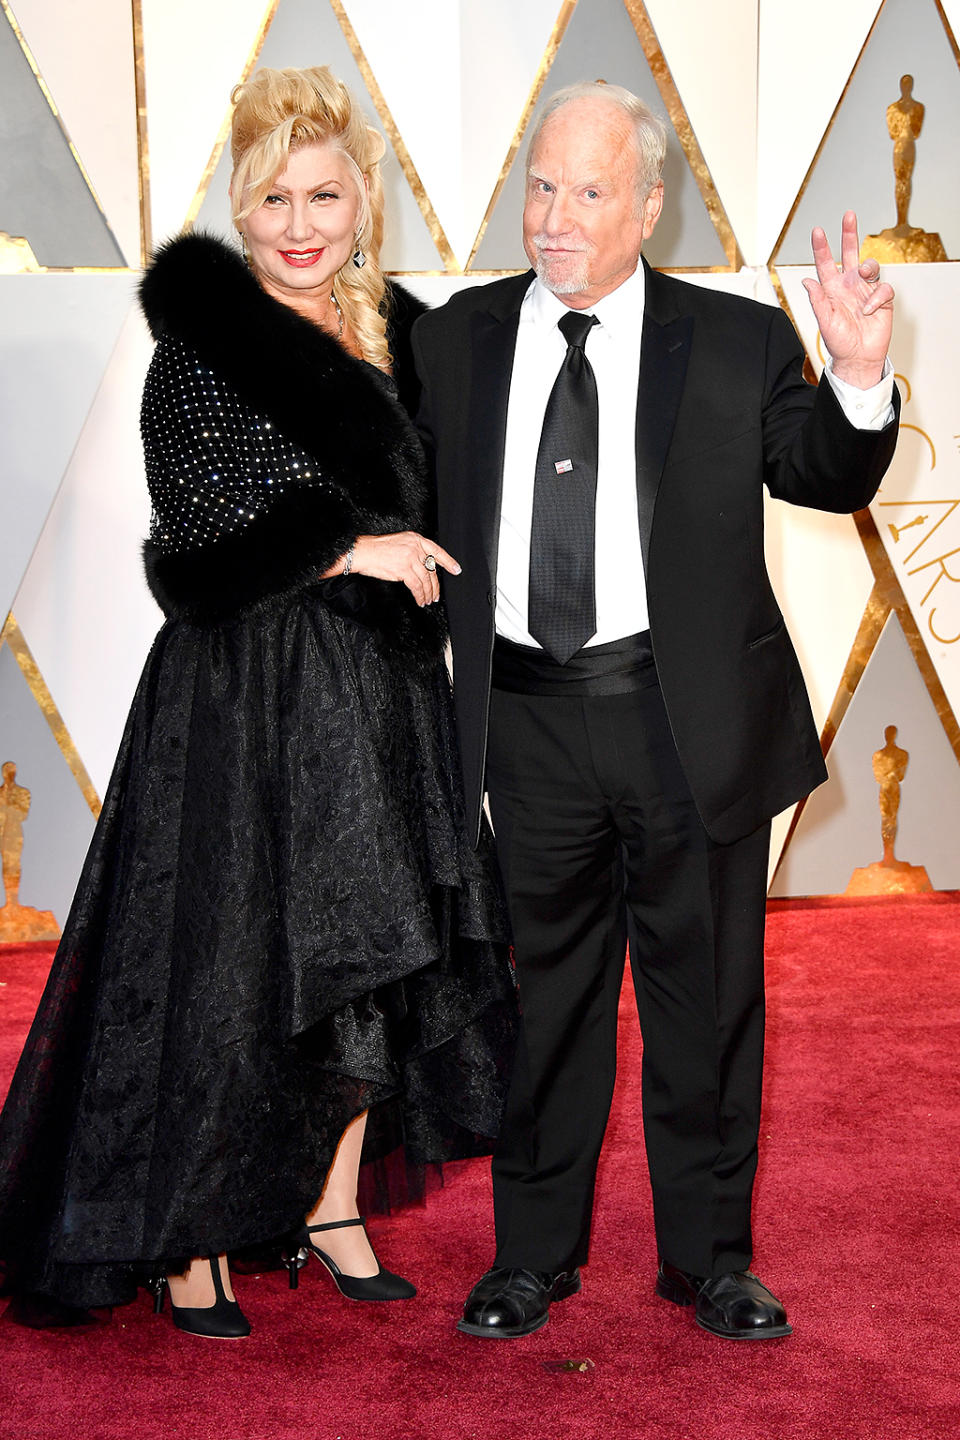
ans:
(613, 347)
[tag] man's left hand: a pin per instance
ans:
(854, 310)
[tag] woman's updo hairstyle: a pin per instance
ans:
(278, 111)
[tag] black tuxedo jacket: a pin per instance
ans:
(722, 410)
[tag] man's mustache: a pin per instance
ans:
(542, 242)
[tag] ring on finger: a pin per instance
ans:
(429, 562)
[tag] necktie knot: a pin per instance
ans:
(575, 326)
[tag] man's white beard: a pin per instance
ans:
(574, 278)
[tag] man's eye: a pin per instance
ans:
(592, 194)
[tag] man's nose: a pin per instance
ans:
(556, 219)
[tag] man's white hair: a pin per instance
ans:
(650, 133)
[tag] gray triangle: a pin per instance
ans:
(839, 829)
(59, 334)
(601, 44)
(305, 33)
(58, 828)
(909, 35)
(43, 195)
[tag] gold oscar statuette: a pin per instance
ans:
(903, 242)
(889, 876)
(18, 923)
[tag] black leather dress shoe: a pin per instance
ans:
(734, 1306)
(505, 1304)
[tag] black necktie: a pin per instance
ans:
(562, 603)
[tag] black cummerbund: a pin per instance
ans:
(621, 667)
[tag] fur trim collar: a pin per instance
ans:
(200, 290)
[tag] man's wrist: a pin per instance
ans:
(866, 407)
(860, 377)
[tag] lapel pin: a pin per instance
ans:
(562, 466)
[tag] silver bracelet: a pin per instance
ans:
(348, 561)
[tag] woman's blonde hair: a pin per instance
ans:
(277, 111)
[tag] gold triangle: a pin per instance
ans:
(12, 635)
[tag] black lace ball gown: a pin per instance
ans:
(281, 920)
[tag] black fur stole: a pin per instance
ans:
(336, 408)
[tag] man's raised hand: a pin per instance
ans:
(854, 310)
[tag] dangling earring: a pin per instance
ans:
(359, 259)
(243, 247)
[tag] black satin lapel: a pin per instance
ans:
(494, 342)
(664, 353)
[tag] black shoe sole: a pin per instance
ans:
(501, 1332)
(516, 1332)
(772, 1332)
(680, 1296)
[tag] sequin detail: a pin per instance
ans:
(213, 463)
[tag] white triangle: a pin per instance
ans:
(194, 55)
(801, 80)
(720, 99)
(85, 55)
(951, 8)
(477, 100)
(59, 331)
(83, 606)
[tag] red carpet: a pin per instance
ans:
(857, 1229)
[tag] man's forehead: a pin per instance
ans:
(581, 167)
(592, 138)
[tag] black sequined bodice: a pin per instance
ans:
(213, 463)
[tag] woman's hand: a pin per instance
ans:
(401, 557)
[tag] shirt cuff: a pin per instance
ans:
(865, 409)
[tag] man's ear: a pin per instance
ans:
(652, 205)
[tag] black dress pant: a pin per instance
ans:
(597, 835)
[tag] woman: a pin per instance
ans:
(280, 922)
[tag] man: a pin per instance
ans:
(624, 685)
